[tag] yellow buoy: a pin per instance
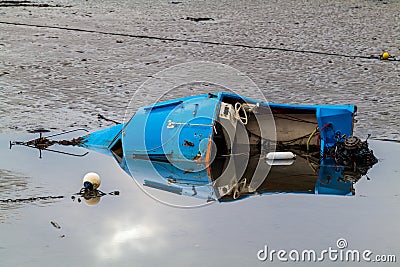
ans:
(385, 55)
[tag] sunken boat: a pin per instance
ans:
(222, 146)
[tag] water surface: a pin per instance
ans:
(133, 228)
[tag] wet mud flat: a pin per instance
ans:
(95, 55)
(26, 3)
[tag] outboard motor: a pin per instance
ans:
(353, 153)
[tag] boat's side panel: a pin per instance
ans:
(311, 107)
(177, 130)
(334, 120)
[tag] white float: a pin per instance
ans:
(92, 178)
(281, 155)
(280, 158)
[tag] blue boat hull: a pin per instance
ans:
(191, 138)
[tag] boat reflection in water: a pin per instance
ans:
(301, 175)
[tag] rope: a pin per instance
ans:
(386, 140)
(31, 199)
(309, 139)
(139, 36)
(292, 118)
(287, 142)
(87, 194)
(99, 116)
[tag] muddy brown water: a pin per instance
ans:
(61, 79)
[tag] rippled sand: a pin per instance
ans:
(62, 79)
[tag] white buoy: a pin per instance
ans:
(92, 201)
(280, 155)
(91, 181)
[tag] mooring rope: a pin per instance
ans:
(101, 117)
(169, 39)
(84, 193)
(30, 199)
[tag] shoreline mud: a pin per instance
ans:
(61, 79)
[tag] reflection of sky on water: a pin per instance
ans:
(129, 235)
(11, 183)
(133, 230)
